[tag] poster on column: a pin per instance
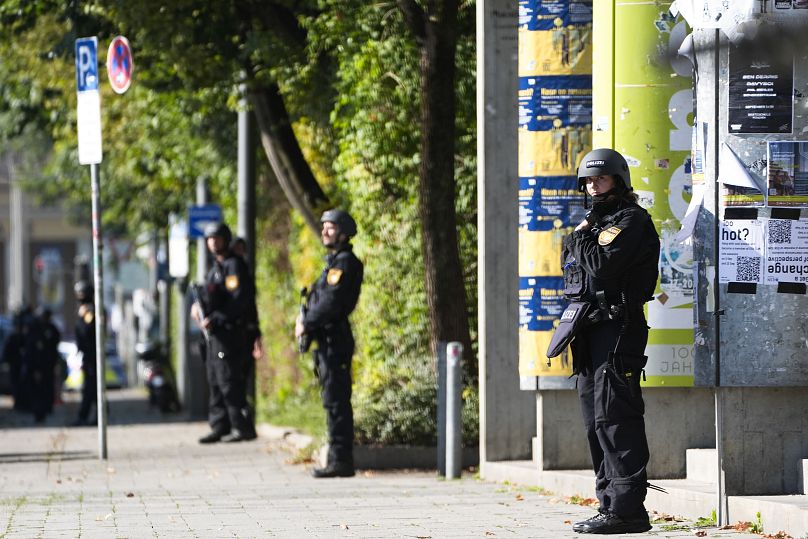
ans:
(541, 303)
(788, 173)
(761, 90)
(551, 153)
(786, 251)
(548, 208)
(555, 36)
(742, 250)
(555, 115)
(550, 203)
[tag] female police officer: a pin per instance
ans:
(610, 261)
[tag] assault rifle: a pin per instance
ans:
(197, 293)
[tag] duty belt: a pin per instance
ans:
(604, 311)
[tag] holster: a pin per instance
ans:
(571, 321)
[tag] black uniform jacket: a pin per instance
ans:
(620, 253)
(335, 294)
(230, 296)
(85, 336)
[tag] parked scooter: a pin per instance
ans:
(157, 375)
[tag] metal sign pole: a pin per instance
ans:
(721, 512)
(88, 116)
(98, 273)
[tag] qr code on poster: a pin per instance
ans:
(748, 269)
(779, 231)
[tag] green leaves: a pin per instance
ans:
(348, 71)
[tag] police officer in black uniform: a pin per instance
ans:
(85, 342)
(230, 293)
(13, 355)
(611, 260)
(332, 298)
(42, 356)
(239, 248)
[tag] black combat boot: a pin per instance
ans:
(334, 469)
(211, 438)
(238, 436)
(607, 523)
(585, 524)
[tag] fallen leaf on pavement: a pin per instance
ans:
(519, 497)
(567, 522)
(130, 494)
(701, 533)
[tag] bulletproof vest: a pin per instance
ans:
(215, 289)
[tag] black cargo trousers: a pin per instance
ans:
(333, 358)
(613, 408)
(226, 379)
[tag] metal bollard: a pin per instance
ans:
(454, 386)
(441, 426)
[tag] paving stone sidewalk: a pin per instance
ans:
(159, 482)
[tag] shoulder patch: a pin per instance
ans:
(334, 275)
(88, 317)
(231, 282)
(607, 236)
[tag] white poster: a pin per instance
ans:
(742, 251)
(787, 252)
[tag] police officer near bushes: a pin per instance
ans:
(229, 296)
(611, 261)
(330, 302)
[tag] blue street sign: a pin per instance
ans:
(201, 216)
(87, 64)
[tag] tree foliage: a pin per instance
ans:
(342, 83)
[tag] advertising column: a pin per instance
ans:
(652, 115)
(555, 117)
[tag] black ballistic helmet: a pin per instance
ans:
(220, 230)
(603, 162)
(83, 290)
(342, 219)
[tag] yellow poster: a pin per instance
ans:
(533, 359)
(564, 50)
(540, 252)
(552, 153)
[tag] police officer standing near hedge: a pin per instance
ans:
(229, 296)
(611, 261)
(332, 298)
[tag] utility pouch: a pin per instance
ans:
(626, 363)
(574, 276)
(574, 280)
(572, 319)
(630, 367)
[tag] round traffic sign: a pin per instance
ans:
(119, 64)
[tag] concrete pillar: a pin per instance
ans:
(18, 259)
(507, 415)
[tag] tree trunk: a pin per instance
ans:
(445, 288)
(285, 157)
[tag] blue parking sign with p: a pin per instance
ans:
(87, 64)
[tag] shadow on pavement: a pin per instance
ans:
(14, 458)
